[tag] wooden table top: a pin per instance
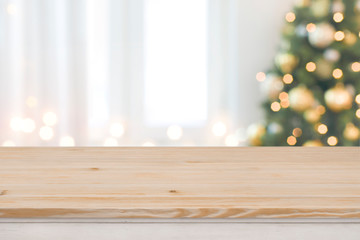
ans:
(180, 182)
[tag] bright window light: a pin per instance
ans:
(97, 36)
(175, 62)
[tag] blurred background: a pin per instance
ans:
(178, 72)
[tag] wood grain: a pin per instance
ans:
(180, 182)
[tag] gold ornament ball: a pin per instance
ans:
(323, 35)
(301, 99)
(312, 115)
(286, 62)
(351, 132)
(313, 143)
(254, 133)
(338, 98)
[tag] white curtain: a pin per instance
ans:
(72, 72)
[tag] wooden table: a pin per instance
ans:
(180, 193)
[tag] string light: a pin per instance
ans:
(291, 140)
(322, 128)
(174, 132)
(311, 27)
(219, 129)
(283, 96)
(357, 113)
(49, 118)
(31, 102)
(46, 133)
(310, 66)
(290, 17)
(337, 73)
(8, 143)
(16, 124)
(116, 130)
(355, 66)
(297, 132)
(275, 106)
(338, 17)
(339, 36)
(321, 109)
(332, 141)
(285, 103)
(260, 76)
(67, 141)
(357, 99)
(288, 78)
(284, 99)
(111, 142)
(28, 125)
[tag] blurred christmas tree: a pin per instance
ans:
(313, 89)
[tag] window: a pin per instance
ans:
(175, 62)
